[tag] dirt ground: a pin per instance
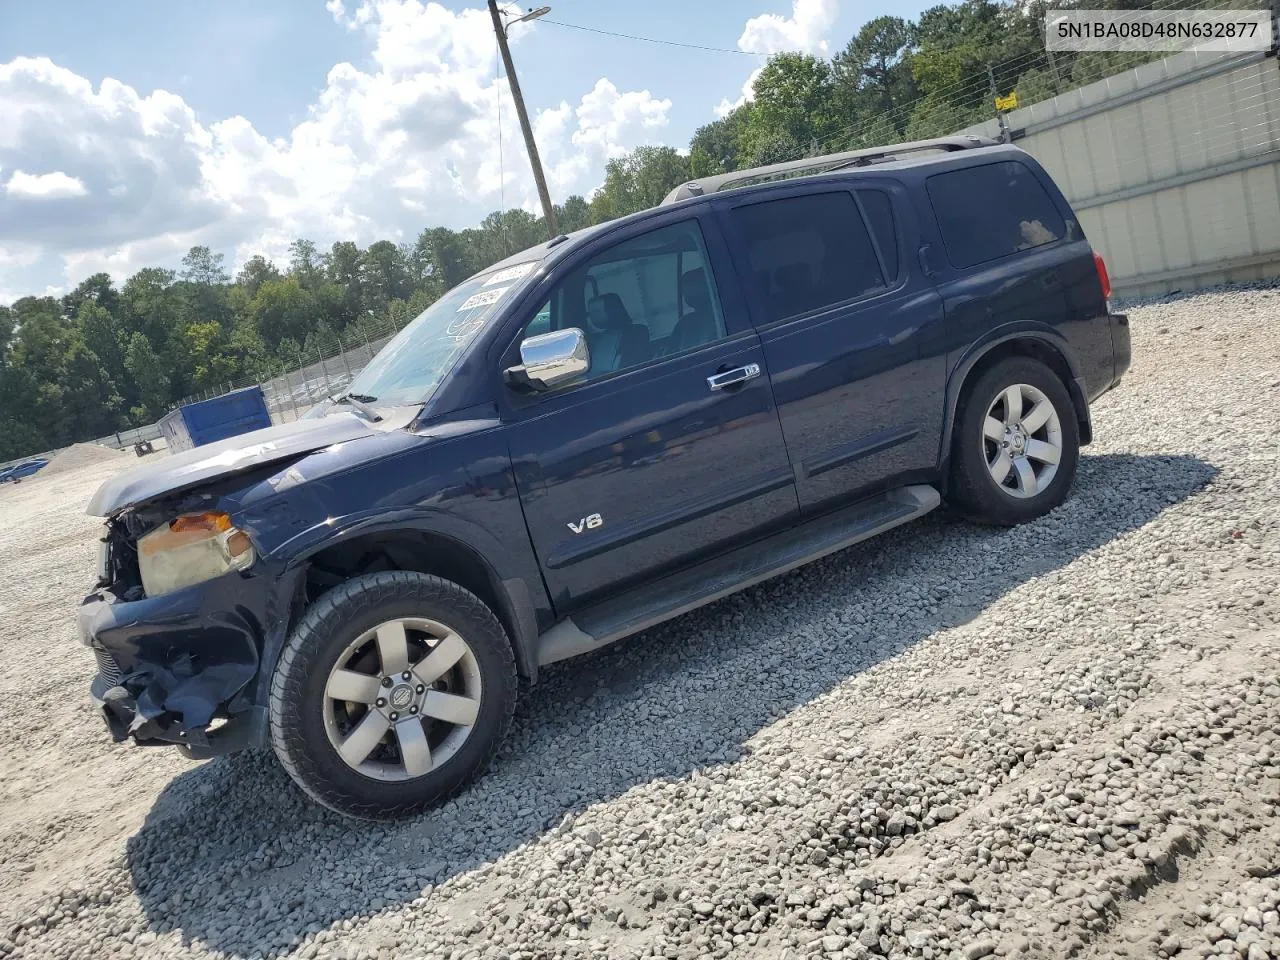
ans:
(1096, 737)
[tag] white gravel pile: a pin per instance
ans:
(81, 455)
(1059, 740)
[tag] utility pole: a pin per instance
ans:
(548, 211)
(1004, 127)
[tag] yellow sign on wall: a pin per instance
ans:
(1007, 103)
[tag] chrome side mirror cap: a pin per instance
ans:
(550, 360)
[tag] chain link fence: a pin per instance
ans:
(295, 388)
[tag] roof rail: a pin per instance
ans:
(823, 164)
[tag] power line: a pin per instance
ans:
(667, 43)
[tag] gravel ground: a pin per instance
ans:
(1058, 740)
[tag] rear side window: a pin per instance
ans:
(807, 252)
(992, 211)
(879, 211)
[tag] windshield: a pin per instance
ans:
(409, 368)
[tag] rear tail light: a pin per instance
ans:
(1103, 277)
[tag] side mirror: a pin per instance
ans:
(551, 359)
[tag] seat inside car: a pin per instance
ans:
(616, 341)
(699, 325)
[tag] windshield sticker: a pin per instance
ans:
(484, 298)
(511, 273)
(464, 329)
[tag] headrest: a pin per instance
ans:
(694, 289)
(793, 277)
(607, 312)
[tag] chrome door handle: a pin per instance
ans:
(731, 378)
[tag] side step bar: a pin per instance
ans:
(602, 624)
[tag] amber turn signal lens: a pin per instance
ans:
(212, 522)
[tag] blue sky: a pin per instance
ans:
(359, 118)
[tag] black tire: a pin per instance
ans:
(974, 490)
(297, 719)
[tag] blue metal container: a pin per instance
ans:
(229, 415)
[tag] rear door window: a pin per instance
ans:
(807, 252)
(993, 211)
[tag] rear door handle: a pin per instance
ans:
(731, 378)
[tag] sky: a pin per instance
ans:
(133, 130)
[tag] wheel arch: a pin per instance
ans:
(1044, 346)
(423, 550)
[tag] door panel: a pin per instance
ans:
(860, 403)
(673, 469)
(859, 382)
(645, 466)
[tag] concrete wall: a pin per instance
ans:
(1173, 168)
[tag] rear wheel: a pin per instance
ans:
(394, 690)
(1016, 444)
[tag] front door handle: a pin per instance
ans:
(731, 378)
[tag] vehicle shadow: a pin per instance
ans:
(234, 857)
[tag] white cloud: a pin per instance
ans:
(769, 33)
(44, 186)
(409, 142)
(805, 30)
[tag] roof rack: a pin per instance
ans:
(823, 164)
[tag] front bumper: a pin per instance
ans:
(179, 669)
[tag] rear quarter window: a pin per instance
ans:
(879, 211)
(992, 211)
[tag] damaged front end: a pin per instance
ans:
(181, 667)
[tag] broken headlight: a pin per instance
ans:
(190, 549)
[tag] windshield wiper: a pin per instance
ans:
(361, 403)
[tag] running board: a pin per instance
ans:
(600, 625)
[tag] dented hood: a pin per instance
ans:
(233, 455)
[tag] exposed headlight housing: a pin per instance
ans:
(190, 549)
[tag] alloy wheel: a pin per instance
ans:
(1022, 440)
(402, 698)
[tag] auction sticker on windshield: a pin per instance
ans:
(511, 273)
(484, 298)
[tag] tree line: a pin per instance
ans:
(105, 357)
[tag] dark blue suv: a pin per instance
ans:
(594, 436)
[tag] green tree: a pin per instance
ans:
(637, 181)
(203, 267)
(202, 289)
(97, 289)
(795, 99)
(778, 148)
(574, 214)
(148, 304)
(90, 403)
(714, 147)
(148, 372)
(344, 266)
(6, 331)
(256, 271)
(385, 276)
(444, 257)
(283, 309)
(872, 78)
(101, 334)
(305, 263)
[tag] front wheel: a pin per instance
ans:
(1016, 444)
(393, 692)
